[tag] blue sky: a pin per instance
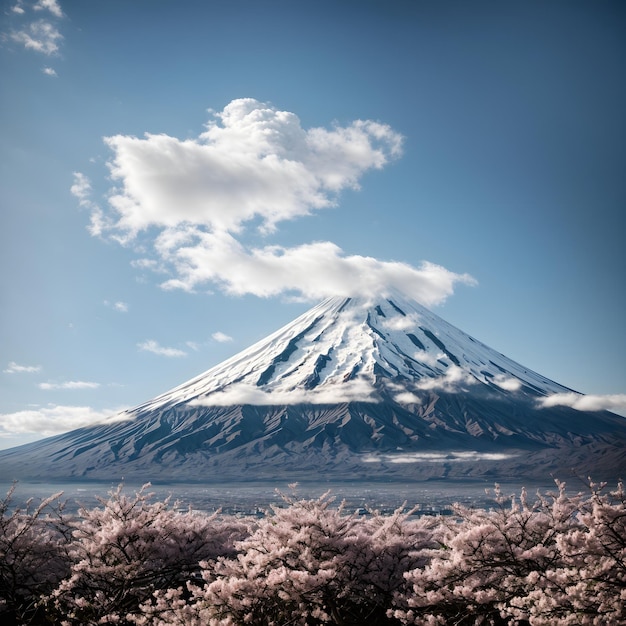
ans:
(179, 179)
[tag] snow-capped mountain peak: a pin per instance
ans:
(356, 349)
(353, 389)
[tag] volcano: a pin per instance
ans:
(354, 389)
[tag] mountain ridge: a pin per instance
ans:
(352, 389)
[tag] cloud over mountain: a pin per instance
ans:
(193, 199)
(592, 402)
(343, 392)
(313, 271)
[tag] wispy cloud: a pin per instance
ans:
(120, 306)
(401, 322)
(254, 165)
(438, 457)
(14, 368)
(153, 346)
(428, 358)
(242, 393)
(81, 189)
(455, 379)
(508, 383)
(49, 5)
(221, 337)
(40, 36)
(611, 402)
(52, 420)
(70, 384)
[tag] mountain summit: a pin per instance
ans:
(352, 389)
(353, 349)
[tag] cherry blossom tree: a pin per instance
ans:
(589, 587)
(552, 560)
(124, 551)
(33, 555)
(556, 561)
(306, 563)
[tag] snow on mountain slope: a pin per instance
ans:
(350, 349)
(351, 390)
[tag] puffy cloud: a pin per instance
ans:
(49, 71)
(406, 397)
(454, 380)
(314, 270)
(70, 384)
(49, 5)
(221, 337)
(429, 358)
(252, 161)
(153, 346)
(254, 165)
(243, 393)
(507, 382)
(53, 420)
(612, 402)
(14, 368)
(40, 36)
(401, 322)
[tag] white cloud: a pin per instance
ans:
(611, 402)
(314, 270)
(243, 393)
(155, 348)
(81, 189)
(70, 384)
(49, 5)
(252, 161)
(454, 380)
(406, 397)
(401, 322)
(53, 420)
(428, 358)
(221, 337)
(507, 382)
(49, 71)
(14, 368)
(122, 307)
(192, 199)
(18, 8)
(437, 457)
(40, 36)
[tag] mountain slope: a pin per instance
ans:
(352, 389)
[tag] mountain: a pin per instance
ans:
(351, 390)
